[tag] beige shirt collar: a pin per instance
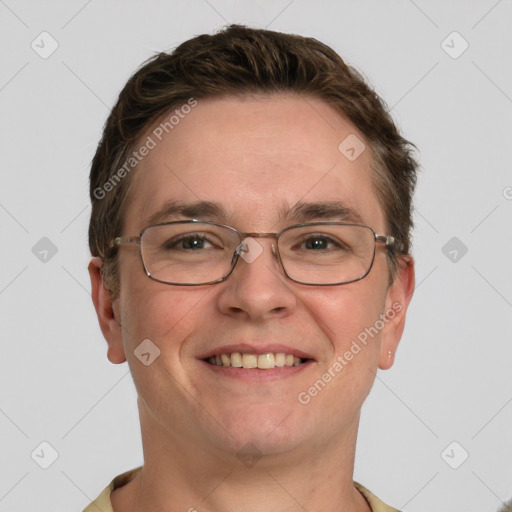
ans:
(102, 502)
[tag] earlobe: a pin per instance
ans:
(397, 301)
(107, 311)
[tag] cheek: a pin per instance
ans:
(151, 310)
(346, 315)
(162, 315)
(167, 318)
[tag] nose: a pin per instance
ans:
(257, 288)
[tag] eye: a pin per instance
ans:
(316, 243)
(322, 242)
(190, 241)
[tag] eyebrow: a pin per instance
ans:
(196, 210)
(300, 212)
(325, 210)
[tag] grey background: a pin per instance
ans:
(452, 378)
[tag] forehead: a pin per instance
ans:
(257, 158)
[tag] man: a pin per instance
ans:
(250, 234)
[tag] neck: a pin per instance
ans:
(197, 478)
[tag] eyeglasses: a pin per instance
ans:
(195, 252)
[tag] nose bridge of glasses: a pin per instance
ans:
(248, 243)
(258, 235)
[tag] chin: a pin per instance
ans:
(271, 429)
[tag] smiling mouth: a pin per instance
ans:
(266, 361)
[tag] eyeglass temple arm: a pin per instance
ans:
(385, 239)
(389, 241)
(125, 240)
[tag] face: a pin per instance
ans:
(256, 158)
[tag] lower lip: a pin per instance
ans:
(257, 375)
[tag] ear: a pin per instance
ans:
(107, 311)
(397, 301)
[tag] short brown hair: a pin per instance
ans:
(233, 62)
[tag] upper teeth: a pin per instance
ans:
(261, 361)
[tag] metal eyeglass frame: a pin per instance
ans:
(390, 242)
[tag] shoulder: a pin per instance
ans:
(375, 504)
(102, 502)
